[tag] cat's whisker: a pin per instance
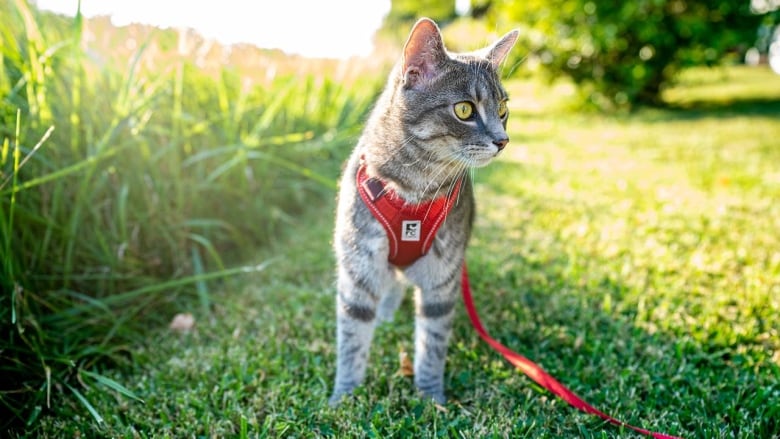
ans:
(444, 166)
(468, 172)
(461, 176)
(451, 187)
(514, 67)
(438, 170)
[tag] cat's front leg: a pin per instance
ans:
(390, 302)
(433, 326)
(435, 311)
(359, 289)
(355, 320)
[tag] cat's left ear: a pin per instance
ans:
(499, 50)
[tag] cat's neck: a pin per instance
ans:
(415, 181)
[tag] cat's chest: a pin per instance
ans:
(410, 228)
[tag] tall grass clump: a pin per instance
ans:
(125, 187)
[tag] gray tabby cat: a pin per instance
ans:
(439, 115)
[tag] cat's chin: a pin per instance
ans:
(478, 161)
(478, 156)
(481, 163)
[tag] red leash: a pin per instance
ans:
(536, 373)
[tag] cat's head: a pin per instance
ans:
(453, 104)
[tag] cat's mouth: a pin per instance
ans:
(477, 156)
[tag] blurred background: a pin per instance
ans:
(153, 151)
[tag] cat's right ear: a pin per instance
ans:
(499, 50)
(423, 53)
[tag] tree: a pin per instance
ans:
(479, 8)
(404, 13)
(623, 53)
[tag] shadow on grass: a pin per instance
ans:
(621, 333)
(725, 108)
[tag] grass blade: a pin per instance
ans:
(200, 286)
(113, 385)
(91, 409)
(27, 157)
(119, 298)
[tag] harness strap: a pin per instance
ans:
(410, 228)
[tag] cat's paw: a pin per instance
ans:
(338, 396)
(437, 397)
(434, 391)
(336, 399)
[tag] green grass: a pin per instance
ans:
(635, 257)
(125, 189)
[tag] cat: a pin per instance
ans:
(439, 115)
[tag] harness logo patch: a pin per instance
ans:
(410, 230)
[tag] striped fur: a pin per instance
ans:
(416, 144)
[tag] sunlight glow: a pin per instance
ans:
(333, 28)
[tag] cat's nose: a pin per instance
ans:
(501, 143)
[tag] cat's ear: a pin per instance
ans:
(499, 50)
(423, 53)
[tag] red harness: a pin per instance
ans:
(410, 227)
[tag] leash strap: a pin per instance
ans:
(536, 373)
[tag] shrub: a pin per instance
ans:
(627, 52)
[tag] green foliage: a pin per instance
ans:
(478, 8)
(627, 52)
(411, 10)
(404, 13)
(122, 190)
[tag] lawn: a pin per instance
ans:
(636, 257)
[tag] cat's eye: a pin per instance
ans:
(502, 109)
(464, 110)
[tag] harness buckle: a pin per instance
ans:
(374, 188)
